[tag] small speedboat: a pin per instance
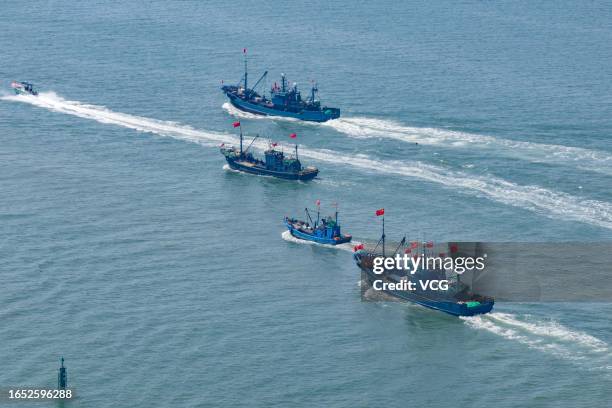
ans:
(323, 230)
(23, 88)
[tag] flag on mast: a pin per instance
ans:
(380, 212)
(293, 135)
(236, 124)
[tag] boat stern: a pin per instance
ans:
(343, 239)
(473, 308)
(331, 113)
(308, 173)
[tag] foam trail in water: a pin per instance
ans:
(545, 202)
(362, 127)
(553, 330)
(53, 102)
(534, 198)
(547, 336)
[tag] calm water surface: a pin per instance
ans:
(126, 247)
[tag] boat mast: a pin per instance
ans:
(251, 144)
(245, 70)
(296, 153)
(308, 216)
(383, 235)
(318, 212)
(313, 92)
(259, 80)
(336, 205)
(402, 242)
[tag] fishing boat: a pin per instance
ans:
(457, 300)
(274, 164)
(285, 100)
(322, 231)
(23, 88)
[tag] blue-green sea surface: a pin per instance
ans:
(162, 277)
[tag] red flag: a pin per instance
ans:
(293, 135)
(407, 251)
(274, 144)
(453, 248)
(380, 212)
(318, 203)
(429, 244)
(236, 124)
(414, 245)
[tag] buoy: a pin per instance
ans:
(62, 377)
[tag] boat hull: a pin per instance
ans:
(451, 307)
(301, 176)
(257, 109)
(320, 240)
(24, 92)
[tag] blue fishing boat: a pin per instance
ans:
(285, 100)
(23, 88)
(274, 164)
(457, 300)
(323, 231)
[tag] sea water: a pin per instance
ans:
(163, 278)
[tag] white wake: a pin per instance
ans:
(366, 128)
(546, 202)
(53, 102)
(363, 127)
(544, 335)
